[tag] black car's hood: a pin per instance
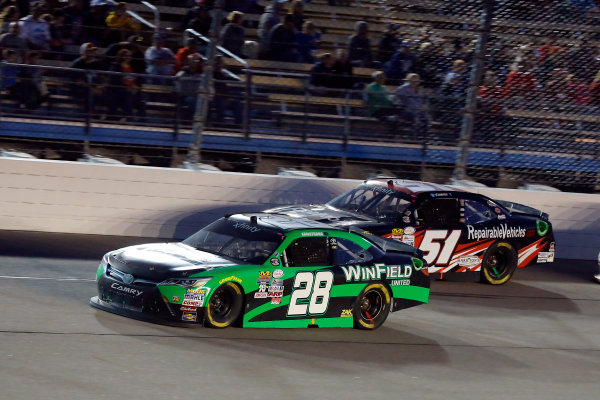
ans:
(159, 261)
(323, 213)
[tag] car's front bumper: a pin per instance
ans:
(142, 301)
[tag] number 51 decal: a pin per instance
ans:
(435, 252)
(311, 293)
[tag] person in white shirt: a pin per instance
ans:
(35, 30)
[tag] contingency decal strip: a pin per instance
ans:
(527, 254)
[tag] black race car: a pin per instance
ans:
(264, 271)
(458, 231)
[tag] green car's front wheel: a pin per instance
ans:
(372, 306)
(224, 306)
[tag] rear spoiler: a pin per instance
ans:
(516, 208)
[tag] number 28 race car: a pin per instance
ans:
(265, 271)
(457, 231)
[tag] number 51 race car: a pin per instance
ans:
(457, 231)
(265, 271)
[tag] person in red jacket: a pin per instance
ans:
(181, 58)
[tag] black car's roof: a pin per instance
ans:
(408, 186)
(280, 222)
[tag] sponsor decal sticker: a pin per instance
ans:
(358, 273)
(276, 300)
(186, 308)
(409, 230)
(542, 257)
(397, 231)
(230, 278)
(250, 228)
(278, 273)
(194, 297)
(468, 261)
(501, 216)
(406, 220)
(346, 313)
(189, 316)
(175, 299)
(260, 295)
(408, 239)
(312, 234)
(502, 231)
(551, 247)
(275, 262)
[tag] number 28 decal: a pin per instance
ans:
(311, 293)
(438, 245)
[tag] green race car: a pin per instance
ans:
(265, 271)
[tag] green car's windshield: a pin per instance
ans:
(377, 202)
(242, 242)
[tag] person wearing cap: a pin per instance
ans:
(403, 62)
(135, 44)
(232, 34)
(159, 59)
(388, 43)
(181, 57)
(34, 29)
(413, 104)
(359, 46)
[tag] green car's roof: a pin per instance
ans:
(280, 222)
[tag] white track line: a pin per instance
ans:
(46, 279)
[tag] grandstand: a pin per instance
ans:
(535, 118)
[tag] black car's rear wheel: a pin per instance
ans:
(224, 306)
(499, 263)
(372, 306)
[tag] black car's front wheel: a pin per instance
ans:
(499, 263)
(372, 306)
(224, 306)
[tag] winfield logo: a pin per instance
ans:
(126, 289)
(503, 231)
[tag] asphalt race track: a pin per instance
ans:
(537, 337)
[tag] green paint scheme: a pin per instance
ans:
(101, 270)
(247, 276)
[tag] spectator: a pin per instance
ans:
(9, 14)
(429, 65)
(188, 84)
(595, 91)
(581, 60)
(296, 10)
(13, 40)
(322, 75)
(181, 57)
(35, 30)
(521, 82)
(578, 92)
(31, 88)
(308, 42)
(456, 80)
(159, 59)
(388, 43)
(9, 73)
(282, 44)
(88, 88)
(491, 122)
(378, 101)
(95, 23)
(232, 34)
(121, 23)
(135, 44)
(198, 19)
(359, 46)
(123, 88)
(74, 25)
(59, 34)
(223, 100)
(270, 18)
(342, 70)
(403, 62)
(414, 104)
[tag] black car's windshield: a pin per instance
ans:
(377, 202)
(243, 242)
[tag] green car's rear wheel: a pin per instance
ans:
(224, 306)
(372, 306)
(499, 263)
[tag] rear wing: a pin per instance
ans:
(516, 208)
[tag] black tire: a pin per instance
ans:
(224, 306)
(372, 306)
(499, 263)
